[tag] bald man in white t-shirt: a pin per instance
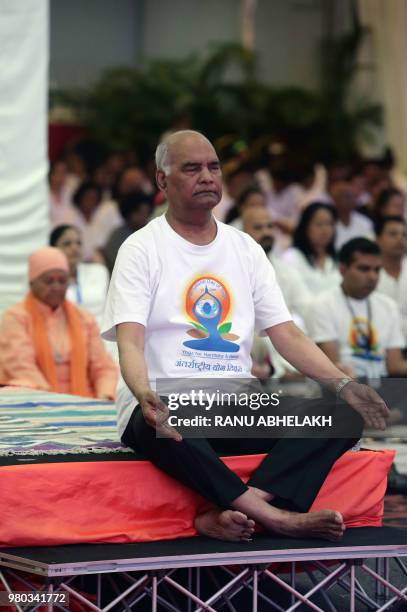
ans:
(186, 295)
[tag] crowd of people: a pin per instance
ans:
(327, 252)
(318, 229)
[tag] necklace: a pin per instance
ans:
(365, 336)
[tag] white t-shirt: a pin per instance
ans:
(359, 226)
(285, 204)
(105, 220)
(200, 305)
(90, 290)
(330, 318)
(316, 279)
(396, 288)
(296, 294)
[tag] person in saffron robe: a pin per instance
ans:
(48, 343)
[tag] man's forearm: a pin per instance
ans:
(134, 370)
(303, 353)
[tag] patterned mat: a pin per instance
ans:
(36, 422)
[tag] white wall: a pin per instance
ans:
(288, 37)
(88, 35)
(177, 28)
(287, 33)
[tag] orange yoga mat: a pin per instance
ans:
(132, 501)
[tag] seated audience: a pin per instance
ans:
(357, 181)
(266, 360)
(103, 180)
(236, 181)
(77, 169)
(350, 223)
(135, 210)
(107, 218)
(48, 343)
(284, 199)
(60, 193)
(390, 203)
(391, 236)
(313, 180)
(88, 282)
(249, 198)
(258, 224)
(313, 253)
(86, 201)
(357, 327)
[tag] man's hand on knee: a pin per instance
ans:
(368, 403)
(156, 414)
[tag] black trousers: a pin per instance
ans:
(293, 470)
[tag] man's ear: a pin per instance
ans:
(161, 180)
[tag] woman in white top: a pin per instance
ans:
(313, 253)
(60, 193)
(88, 281)
(86, 201)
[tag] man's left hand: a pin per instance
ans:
(368, 403)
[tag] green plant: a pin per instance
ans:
(218, 93)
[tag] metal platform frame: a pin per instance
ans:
(153, 577)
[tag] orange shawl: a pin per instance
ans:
(43, 351)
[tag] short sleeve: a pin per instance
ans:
(269, 305)
(320, 322)
(396, 336)
(129, 296)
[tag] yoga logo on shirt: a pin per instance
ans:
(207, 304)
(363, 340)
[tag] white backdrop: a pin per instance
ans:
(23, 140)
(387, 20)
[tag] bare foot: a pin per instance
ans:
(326, 524)
(229, 525)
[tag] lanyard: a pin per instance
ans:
(78, 293)
(78, 290)
(367, 337)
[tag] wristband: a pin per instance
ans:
(339, 386)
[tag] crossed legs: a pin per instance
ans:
(277, 496)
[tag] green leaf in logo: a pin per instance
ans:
(225, 328)
(199, 327)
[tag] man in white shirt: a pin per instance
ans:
(258, 224)
(186, 295)
(357, 327)
(391, 236)
(350, 224)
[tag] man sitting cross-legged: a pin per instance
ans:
(186, 267)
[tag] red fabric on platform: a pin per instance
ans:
(132, 501)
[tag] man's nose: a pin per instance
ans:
(205, 175)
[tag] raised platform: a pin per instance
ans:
(148, 570)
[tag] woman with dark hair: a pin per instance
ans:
(88, 282)
(250, 197)
(313, 253)
(389, 203)
(86, 200)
